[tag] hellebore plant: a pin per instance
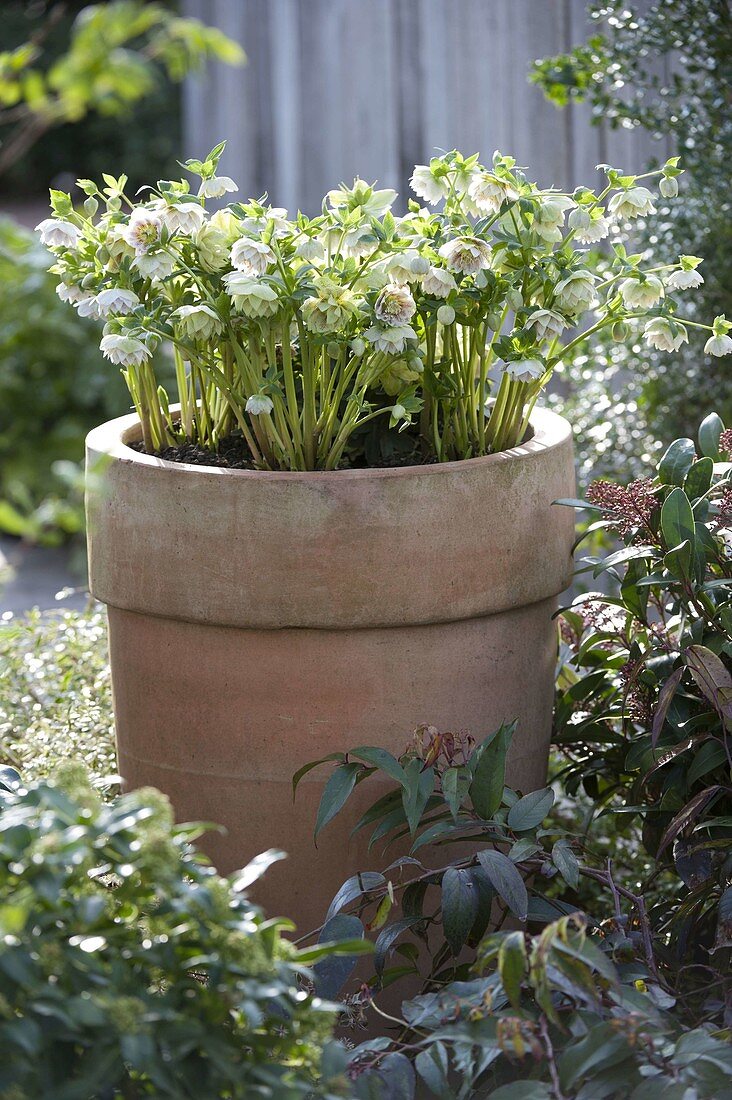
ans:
(306, 334)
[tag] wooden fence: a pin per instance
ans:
(338, 88)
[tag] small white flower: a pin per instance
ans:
(70, 292)
(125, 351)
(547, 324)
(597, 230)
(310, 249)
(636, 202)
(142, 231)
(391, 338)
(198, 320)
(466, 255)
(637, 294)
(719, 344)
(684, 280)
(58, 233)
(525, 370)
(669, 187)
(88, 306)
(156, 267)
(549, 217)
(665, 335)
(395, 305)
(489, 192)
(438, 282)
(215, 187)
(259, 404)
(184, 217)
(424, 184)
(576, 293)
(446, 315)
(252, 257)
(116, 300)
(250, 295)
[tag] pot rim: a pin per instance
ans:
(112, 438)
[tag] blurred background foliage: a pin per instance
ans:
(667, 67)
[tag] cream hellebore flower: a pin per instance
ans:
(58, 233)
(250, 256)
(718, 344)
(184, 217)
(636, 202)
(156, 267)
(549, 216)
(331, 308)
(212, 245)
(310, 249)
(116, 300)
(88, 306)
(405, 267)
(257, 225)
(259, 404)
(251, 296)
(198, 321)
(576, 293)
(466, 255)
(125, 351)
(70, 292)
(597, 230)
(684, 280)
(637, 294)
(424, 184)
(362, 196)
(117, 245)
(438, 282)
(395, 305)
(489, 192)
(547, 324)
(391, 339)
(215, 187)
(665, 335)
(525, 370)
(143, 229)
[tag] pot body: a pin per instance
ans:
(262, 620)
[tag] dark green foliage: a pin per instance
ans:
(129, 968)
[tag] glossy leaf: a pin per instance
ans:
(459, 906)
(676, 462)
(710, 430)
(506, 881)
(335, 793)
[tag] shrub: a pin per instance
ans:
(130, 968)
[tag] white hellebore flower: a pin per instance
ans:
(250, 295)
(579, 218)
(395, 305)
(215, 187)
(438, 282)
(392, 338)
(259, 404)
(143, 229)
(185, 217)
(547, 323)
(719, 344)
(636, 202)
(466, 255)
(352, 198)
(198, 320)
(155, 267)
(331, 308)
(310, 249)
(213, 247)
(684, 280)
(424, 184)
(58, 233)
(70, 292)
(88, 306)
(489, 192)
(549, 216)
(404, 267)
(665, 336)
(276, 214)
(576, 293)
(126, 351)
(252, 257)
(597, 230)
(637, 294)
(525, 370)
(116, 300)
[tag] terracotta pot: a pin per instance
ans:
(258, 621)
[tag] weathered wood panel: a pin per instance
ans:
(338, 88)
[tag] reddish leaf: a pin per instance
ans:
(664, 701)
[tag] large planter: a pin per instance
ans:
(261, 620)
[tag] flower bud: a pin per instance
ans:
(515, 299)
(620, 332)
(669, 187)
(333, 349)
(579, 218)
(446, 315)
(358, 346)
(420, 265)
(494, 321)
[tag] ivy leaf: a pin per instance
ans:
(459, 906)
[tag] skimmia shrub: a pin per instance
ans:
(312, 336)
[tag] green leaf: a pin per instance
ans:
(566, 863)
(256, 868)
(505, 880)
(601, 1046)
(381, 759)
(387, 938)
(417, 788)
(489, 773)
(335, 794)
(677, 520)
(665, 696)
(459, 906)
(699, 478)
(314, 764)
(353, 888)
(522, 1090)
(676, 462)
(455, 785)
(713, 678)
(530, 810)
(513, 965)
(710, 430)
